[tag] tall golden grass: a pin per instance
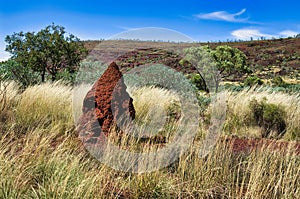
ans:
(239, 111)
(41, 157)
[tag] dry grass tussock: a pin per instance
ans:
(46, 106)
(8, 93)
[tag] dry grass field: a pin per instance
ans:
(42, 157)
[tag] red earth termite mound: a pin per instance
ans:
(105, 104)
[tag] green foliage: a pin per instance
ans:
(48, 51)
(203, 102)
(293, 134)
(160, 76)
(11, 70)
(230, 60)
(278, 81)
(270, 117)
(90, 71)
(200, 58)
(224, 61)
(198, 81)
(252, 81)
(233, 87)
(66, 76)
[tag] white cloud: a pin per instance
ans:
(288, 33)
(4, 56)
(223, 16)
(246, 34)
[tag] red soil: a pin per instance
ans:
(143, 56)
(245, 145)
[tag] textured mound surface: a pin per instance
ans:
(105, 104)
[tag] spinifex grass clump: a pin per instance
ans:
(44, 106)
(8, 93)
(8, 98)
(278, 81)
(156, 109)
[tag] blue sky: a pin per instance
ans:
(202, 20)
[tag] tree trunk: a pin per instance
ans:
(53, 76)
(204, 83)
(43, 75)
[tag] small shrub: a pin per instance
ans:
(89, 71)
(278, 81)
(66, 76)
(270, 117)
(252, 81)
(10, 70)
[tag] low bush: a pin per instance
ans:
(89, 71)
(10, 70)
(278, 81)
(270, 117)
(252, 81)
(240, 115)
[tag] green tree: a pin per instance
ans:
(213, 63)
(48, 51)
(200, 57)
(230, 60)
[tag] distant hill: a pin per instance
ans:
(266, 58)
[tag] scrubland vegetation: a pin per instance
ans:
(42, 157)
(42, 87)
(247, 109)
